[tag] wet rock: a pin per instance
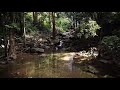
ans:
(3, 62)
(27, 49)
(107, 76)
(13, 57)
(107, 57)
(34, 50)
(47, 47)
(37, 50)
(43, 55)
(30, 77)
(92, 69)
(11, 61)
(41, 45)
(64, 49)
(106, 61)
(30, 44)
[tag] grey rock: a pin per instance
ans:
(37, 50)
(3, 62)
(92, 69)
(105, 61)
(47, 47)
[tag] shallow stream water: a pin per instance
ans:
(44, 66)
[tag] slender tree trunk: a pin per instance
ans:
(24, 30)
(76, 23)
(97, 17)
(21, 15)
(6, 44)
(72, 22)
(50, 19)
(73, 19)
(12, 51)
(22, 26)
(53, 22)
(35, 18)
(79, 24)
(3, 18)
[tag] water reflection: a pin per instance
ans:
(44, 66)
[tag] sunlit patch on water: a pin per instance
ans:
(58, 65)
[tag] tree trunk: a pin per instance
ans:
(24, 30)
(53, 22)
(79, 25)
(6, 44)
(50, 20)
(35, 18)
(97, 17)
(3, 18)
(12, 51)
(73, 20)
(21, 15)
(76, 23)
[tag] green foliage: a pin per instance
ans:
(30, 28)
(111, 42)
(28, 16)
(29, 23)
(89, 27)
(111, 47)
(116, 32)
(62, 23)
(13, 26)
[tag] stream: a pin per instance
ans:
(52, 65)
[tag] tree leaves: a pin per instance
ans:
(13, 26)
(89, 27)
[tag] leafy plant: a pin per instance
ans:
(111, 41)
(13, 25)
(89, 27)
(111, 47)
